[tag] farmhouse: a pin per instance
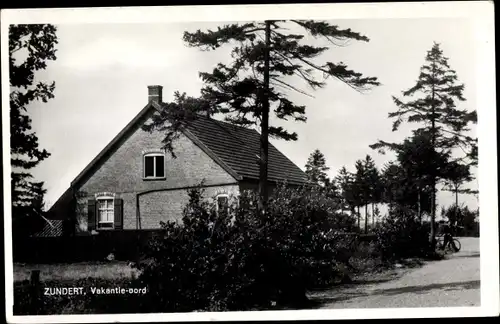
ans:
(133, 184)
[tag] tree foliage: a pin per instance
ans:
(30, 48)
(367, 185)
(235, 89)
(460, 216)
(316, 169)
(434, 107)
(345, 184)
(402, 191)
(457, 175)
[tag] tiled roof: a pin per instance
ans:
(239, 148)
(52, 228)
(236, 147)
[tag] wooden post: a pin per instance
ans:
(35, 293)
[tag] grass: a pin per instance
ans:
(86, 303)
(74, 271)
(84, 274)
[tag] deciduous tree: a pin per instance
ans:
(30, 48)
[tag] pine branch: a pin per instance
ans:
(288, 86)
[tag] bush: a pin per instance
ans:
(401, 235)
(243, 259)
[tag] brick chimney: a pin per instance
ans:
(155, 93)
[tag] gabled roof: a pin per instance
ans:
(235, 148)
(147, 109)
(52, 228)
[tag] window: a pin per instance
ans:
(222, 204)
(154, 166)
(105, 213)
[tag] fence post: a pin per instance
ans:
(35, 293)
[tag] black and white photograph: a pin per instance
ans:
(250, 162)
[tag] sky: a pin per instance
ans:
(102, 72)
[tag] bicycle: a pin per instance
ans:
(455, 247)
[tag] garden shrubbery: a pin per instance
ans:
(241, 259)
(401, 235)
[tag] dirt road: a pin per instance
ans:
(454, 282)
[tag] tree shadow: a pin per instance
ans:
(353, 284)
(472, 255)
(473, 284)
(344, 296)
(370, 281)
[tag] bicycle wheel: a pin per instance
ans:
(458, 246)
(440, 243)
(448, 248)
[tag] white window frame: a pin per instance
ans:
(154, 177)
(108, 209)
(217, 202)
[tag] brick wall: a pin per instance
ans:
(122, 174)
(168, 205)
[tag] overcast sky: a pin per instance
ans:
(102, 72)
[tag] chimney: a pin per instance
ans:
(155, 93)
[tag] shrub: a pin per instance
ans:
(401, 235)
(243, 259)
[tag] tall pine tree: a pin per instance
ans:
(265, 58)
(345, 181)
(30, 48)
(359, 188)
(432, 103)
(316, 169)
(374, 184)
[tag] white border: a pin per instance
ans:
(481, 12)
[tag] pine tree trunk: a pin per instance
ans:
(433, 171)
(433, 213)
(419, 206)
(373, 214)
(359, 218)
(366, 218)
(264, 144)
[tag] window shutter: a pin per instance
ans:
(118, 213)
(91, 212)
